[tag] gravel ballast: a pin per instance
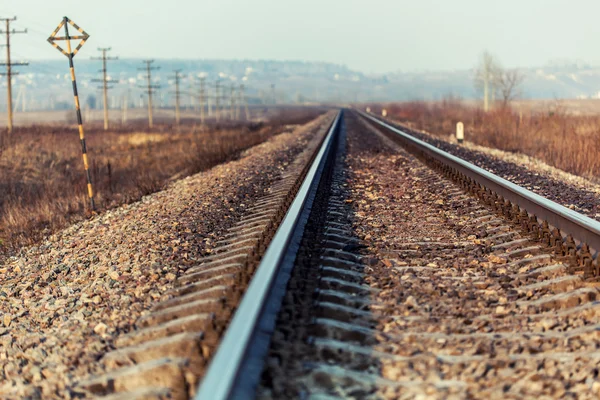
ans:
(63, 303)
(577, 193)
(408, 287)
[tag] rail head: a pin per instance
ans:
(580, 227)
(224, 371)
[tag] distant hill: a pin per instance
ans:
(554, 81)
(46, 84)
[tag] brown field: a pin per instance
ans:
(42, 183)
(135, 116)
(567, 106)
(556, 136)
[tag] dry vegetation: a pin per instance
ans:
(42, 184)
(566, 141)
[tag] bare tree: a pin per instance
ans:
(487, 77)
(510, 85)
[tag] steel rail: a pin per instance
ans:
(235, 369)
(581, 228)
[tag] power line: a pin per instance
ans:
(39, 27)
(149, 87)
(9, 73)
(104, 81)
(37, 66)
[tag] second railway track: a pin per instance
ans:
(385, 278)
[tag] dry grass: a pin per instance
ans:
(42, 185)
(565, 141)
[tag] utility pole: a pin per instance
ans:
(202, 97)
(238, 102)
(209, 105)
(177, 78)
(488, 73)
(21, 99)
(18, 99)
(273, 98)
(486, 104)
(125, 106)
(9, 73)
(192, 94)
(217, 98)
(232, 102)
(149, 87)
(245, 101)
(104, 81)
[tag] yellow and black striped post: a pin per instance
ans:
(70, 54)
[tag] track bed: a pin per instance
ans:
(406, 287)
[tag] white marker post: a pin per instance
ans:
(384, 113)
(460, 132)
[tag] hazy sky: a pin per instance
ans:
(371, 36)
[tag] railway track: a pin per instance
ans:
(378, 267)
(168, 350)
